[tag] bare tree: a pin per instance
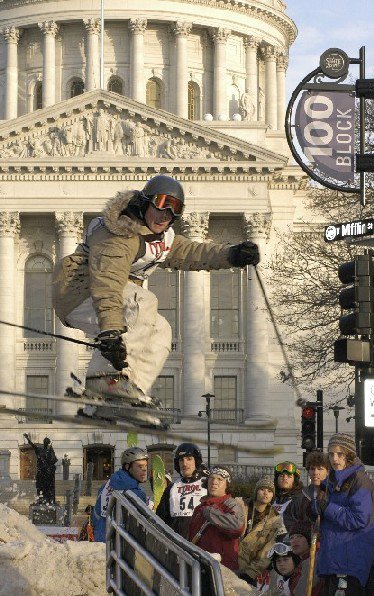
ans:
(305, 288)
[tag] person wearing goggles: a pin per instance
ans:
(287, 485)
(99, 289)
(284, 564)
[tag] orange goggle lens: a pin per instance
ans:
(162, 201)
(287, 467)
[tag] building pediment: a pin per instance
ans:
(100, 130)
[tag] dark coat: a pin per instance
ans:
(347, 525)
(225, 522)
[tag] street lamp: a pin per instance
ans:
(336, 410)
(208, 411)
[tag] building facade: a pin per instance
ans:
(191, 88)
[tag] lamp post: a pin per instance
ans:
(208, 411)
(336, 410)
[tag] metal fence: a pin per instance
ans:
(145, 557)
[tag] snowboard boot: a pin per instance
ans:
(119, 388)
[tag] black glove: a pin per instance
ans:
(317, 508)
(244, 254)
(112, 347)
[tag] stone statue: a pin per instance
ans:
(65, 467)
(139, 143)
(247, 106)
(101, 131)
(45, 469)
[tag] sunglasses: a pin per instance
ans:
(287, 467)
(164, 201)
(280, 549)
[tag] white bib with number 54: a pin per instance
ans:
(185, 497)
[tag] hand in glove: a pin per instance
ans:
(318, 507)
(244, 254)
(112, 348)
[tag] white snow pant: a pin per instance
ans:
(147, 339)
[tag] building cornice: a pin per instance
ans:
(262, 11)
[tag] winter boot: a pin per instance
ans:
(119, 388)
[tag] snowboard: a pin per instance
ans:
(159, 482)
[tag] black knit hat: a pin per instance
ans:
(302, 528)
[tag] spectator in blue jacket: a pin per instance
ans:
(134, 463)
(347, 521)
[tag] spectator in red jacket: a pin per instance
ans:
(218, 521)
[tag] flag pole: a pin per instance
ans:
(102, 46)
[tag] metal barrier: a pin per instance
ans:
(145, 557)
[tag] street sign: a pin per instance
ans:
(369, 402)
(334, 63)
(324, 126)
(349, 229)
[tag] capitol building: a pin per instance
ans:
(190, 88)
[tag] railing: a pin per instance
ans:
(34, 345)
(145, 557)
(225, 346)
(227, 415)
(175, 415)
(38, 419)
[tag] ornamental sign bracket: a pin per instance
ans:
(320, 124)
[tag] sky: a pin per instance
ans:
(323, 24)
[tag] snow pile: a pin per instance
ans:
(33, 565)
(234, 586)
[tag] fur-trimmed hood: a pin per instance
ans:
(122, 225)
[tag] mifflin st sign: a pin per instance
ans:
(349, 229)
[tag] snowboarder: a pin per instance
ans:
(180, 498)
(45, 469)
(98, 289)
(134, 464)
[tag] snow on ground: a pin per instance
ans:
(33, 565)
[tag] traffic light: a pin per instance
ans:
(308, 427)
(358, 297)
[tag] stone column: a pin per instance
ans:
(282, 63)
(69, 226)
(137, 82)
(220, 107)
(11, 36)
(270, 57)
(9, 229)
(257, 404)
(195, 226)
(181, 31)
(92, 56)
(251, 75)
(49, 30)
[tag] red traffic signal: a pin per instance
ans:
(308, 413)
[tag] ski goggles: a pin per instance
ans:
(287, 467)
(165, 201)
(279, 548)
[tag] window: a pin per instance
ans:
(153, 95)
(225, 393)
(115, 85)
(227, 455)
(163, 389)
(38, 384)
(193, 101)
(224, 304)
(76, 87)
(164, 284)
(38, 294)
(38, 96)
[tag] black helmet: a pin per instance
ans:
(187, 449)
(162, 184)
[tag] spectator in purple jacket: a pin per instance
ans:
(347, 521)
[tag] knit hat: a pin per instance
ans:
(343, 440)
(302, 528)
(264, 482)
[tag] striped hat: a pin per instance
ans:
(343, 440)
